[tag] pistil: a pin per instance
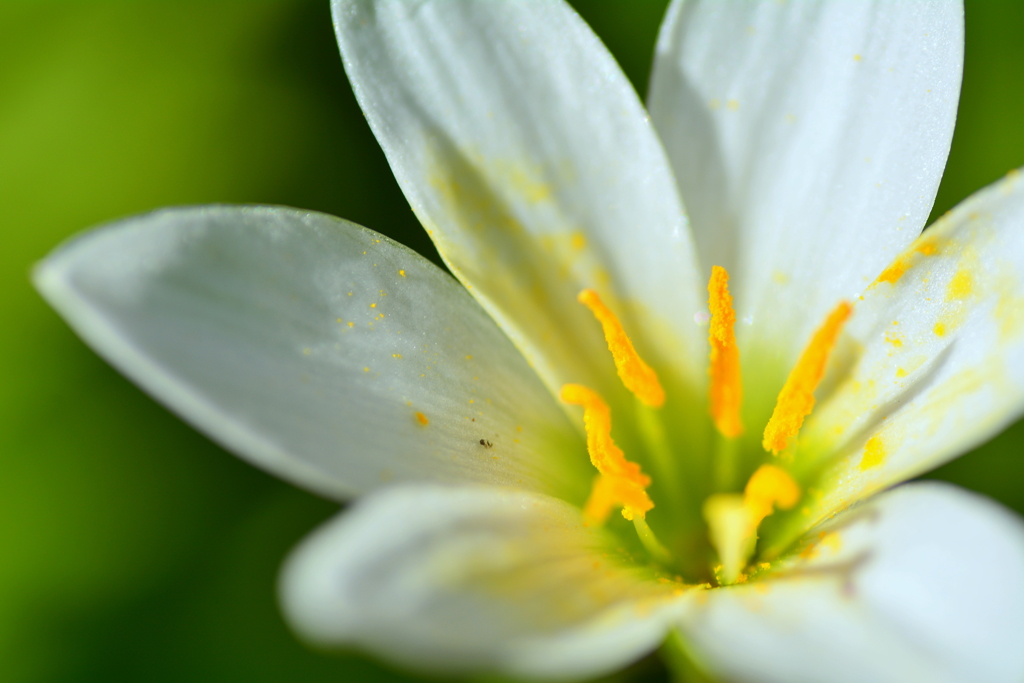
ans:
(733, 518)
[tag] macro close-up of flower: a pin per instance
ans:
(673, 390)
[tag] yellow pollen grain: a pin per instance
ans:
(373, 305)
(637, 375)
(940, 330)
(402, 273)
(796, 400)
(960, 286)
(927, 247)
(726, 390)
(897, 269)
(578, 240)
(894, 271)
(422, 419)
(620, 481)
(351, 324)
(874, 453)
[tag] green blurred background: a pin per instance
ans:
(131, 548)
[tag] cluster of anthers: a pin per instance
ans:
(732, 518)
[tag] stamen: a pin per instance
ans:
(733, 519)
(621, 482)
(796, 400)
(726, 394)
(650, 541)
(637, 375)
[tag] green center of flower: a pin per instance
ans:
(732, 518)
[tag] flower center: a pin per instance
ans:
(732, 518)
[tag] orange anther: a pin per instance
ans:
(796, 400)
(637, 375)
(621, 482)
(726, 392)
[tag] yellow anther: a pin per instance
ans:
(620, 482)
(726, 394)
(796, 400)
(733, 518)
(637, 375)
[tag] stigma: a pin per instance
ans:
(733, 519)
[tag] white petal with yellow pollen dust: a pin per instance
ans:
(935, 355)
(476, 579)
(315, 348)
(808, 139)
(530, 160)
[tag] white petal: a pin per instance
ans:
(808, 139)
(473, 579)
(924, 583)
(308, 345)
(530, 160)
(934, 359)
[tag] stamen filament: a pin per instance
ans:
(726, 453)
(620, 481)
(652, 431)
(796, 400)
(726, 391)
(657, 551)
(637, 375)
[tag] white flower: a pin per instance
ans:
(806, 140)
